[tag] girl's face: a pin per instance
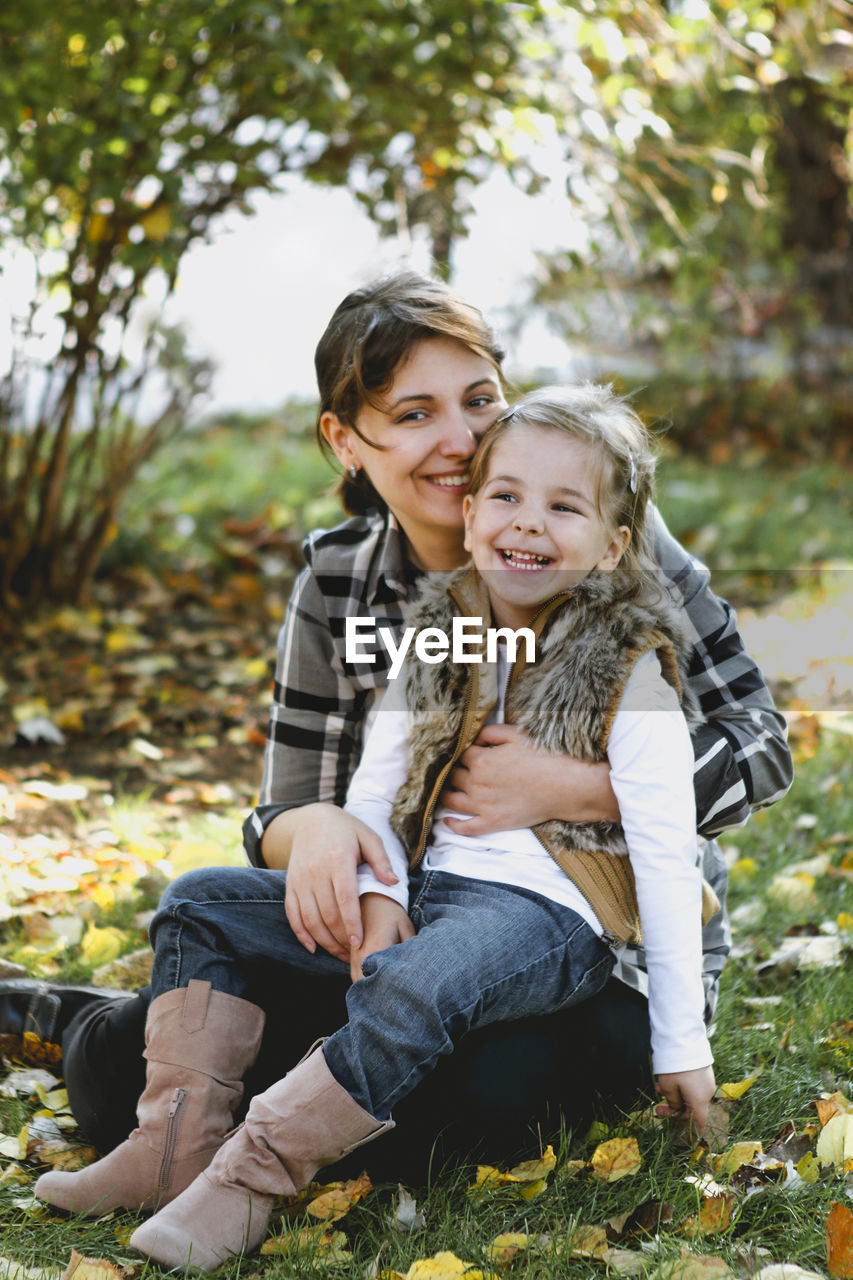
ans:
(442, 399)
(532, 529)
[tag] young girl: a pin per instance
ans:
(524, 922)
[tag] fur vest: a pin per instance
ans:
(587, 643)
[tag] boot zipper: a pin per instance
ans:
(173, 1119)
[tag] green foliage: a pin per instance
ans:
(126, 132)
(706, 147)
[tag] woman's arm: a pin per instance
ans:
(741, 756)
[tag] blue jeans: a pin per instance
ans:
(483, 953)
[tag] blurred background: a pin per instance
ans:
(653, 193)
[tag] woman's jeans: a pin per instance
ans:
(483, 953)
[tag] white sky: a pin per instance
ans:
(259, 296)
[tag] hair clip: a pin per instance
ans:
(632, 478)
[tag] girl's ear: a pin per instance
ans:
(616, 550)
(468, 517)
(340, 438)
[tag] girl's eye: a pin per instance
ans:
(480, 402)
(414, 415)
(564, 506)
(505, 497)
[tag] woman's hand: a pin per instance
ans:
(504, 782)
(687, 1094)
(385, 924)
(321, 901)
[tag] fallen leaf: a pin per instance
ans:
(713, 1217)
(786, 1271)
(839, 1242)
(835, 1142)
(331, 1244)
(406, 1215)
(506, 1247)
(444, 1266)
(627, 1263)
(616, 1158)
(739, 1088)
(589, 1242)
(534, 1170)
(11, 1269)
(101, 945)
(730, 1161)
(337, 1202)
(692, 1266)
(90, 1269)
(833, 1104)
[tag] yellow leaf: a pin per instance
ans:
(739, 1088)
(589, 1242)
(104, 896)
(741, 1153)
(627, 1263)
(56, 1100)
(534, 1170)
(444, 1266)
(506, 1247)
(845, 922)
(489, 1176)
(808, 1167)
(336, 1203)
(713, 1217)
(331, 1244)
(835, 1143)
(98, 228)
(100, 945)
(530, 1190)
(90, 1269)
(616, 1159)
(795, 891)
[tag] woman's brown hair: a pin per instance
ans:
(370, 335)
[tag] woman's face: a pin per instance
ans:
(442, 399)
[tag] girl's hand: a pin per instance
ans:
(385, 924)
(504, 782)
(687, 1094)
(321, 901)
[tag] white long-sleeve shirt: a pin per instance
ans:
(651, 763)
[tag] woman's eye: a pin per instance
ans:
(414, 415)
(480, 402)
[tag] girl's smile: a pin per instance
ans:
(533, 529)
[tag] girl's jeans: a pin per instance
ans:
(483, 953)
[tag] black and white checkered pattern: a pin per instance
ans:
(321, 702)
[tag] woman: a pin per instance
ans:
(409, 377)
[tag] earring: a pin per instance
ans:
(353, 472)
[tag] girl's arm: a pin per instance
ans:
(651, 770)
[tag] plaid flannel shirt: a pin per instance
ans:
(321, 703)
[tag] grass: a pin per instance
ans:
(800, 1042)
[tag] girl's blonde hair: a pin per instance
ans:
(621, 445)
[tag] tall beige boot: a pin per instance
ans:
(200, 1043)
(303, 1122)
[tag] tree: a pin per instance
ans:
(126, 132)
(709, 148)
